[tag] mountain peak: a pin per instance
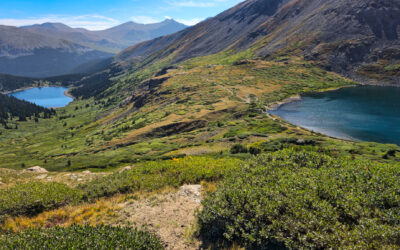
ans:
(50, 26)
(168, 20)
(130, 23)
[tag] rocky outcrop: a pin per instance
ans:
(176, 128)
(36, 169)
(192, 192)
(166, 70)
(127, 168)
(145, 91)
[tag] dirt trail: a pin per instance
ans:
(170, 216)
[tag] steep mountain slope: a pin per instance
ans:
(211, 36)
(24, 53)
(110, 40)
(356, 38)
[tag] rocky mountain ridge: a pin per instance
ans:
(359, 38)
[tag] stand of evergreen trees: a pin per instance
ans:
(11, 107)
(9, 82)
(96, 84)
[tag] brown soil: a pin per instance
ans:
(171, 216)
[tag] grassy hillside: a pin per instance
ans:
(204, 105)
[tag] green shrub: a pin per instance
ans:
(35, 197)
(238, 148)
(158, 174)
(81, 237)
(305, 200)
(393, 68)
(233, 132)
(254, 151)
(243, 136)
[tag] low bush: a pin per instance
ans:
(35, 197)
(81, 237)
(301, 200)
(158, 174)
(238, 148)
(254, 151)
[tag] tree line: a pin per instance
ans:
(11, 107)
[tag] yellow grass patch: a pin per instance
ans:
(101, 212)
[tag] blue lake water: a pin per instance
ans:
(49, 97)
(366, 113)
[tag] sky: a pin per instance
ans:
(102, 14)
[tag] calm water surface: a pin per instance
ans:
(367, 113)
(49, 97)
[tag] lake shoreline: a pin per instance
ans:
(295, 98)
(42, 93)
(298, 97)
(343, 116)
(33, 87)
(66, 93)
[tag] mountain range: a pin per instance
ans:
(52, 49)
(110, 40)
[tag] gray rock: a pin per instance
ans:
(127, 168)
(37, 169)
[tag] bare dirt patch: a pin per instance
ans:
(171, 216)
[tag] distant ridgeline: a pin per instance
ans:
(11, 107)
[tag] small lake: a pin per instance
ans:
(49, 97)
(366, 113)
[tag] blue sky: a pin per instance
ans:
(101, 14)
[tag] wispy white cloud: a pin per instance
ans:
(90, 22)
(145, 19)
(190, 22)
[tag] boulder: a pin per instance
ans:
(41, 177)
(127, 168)
(37, 169)
(192, 192)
